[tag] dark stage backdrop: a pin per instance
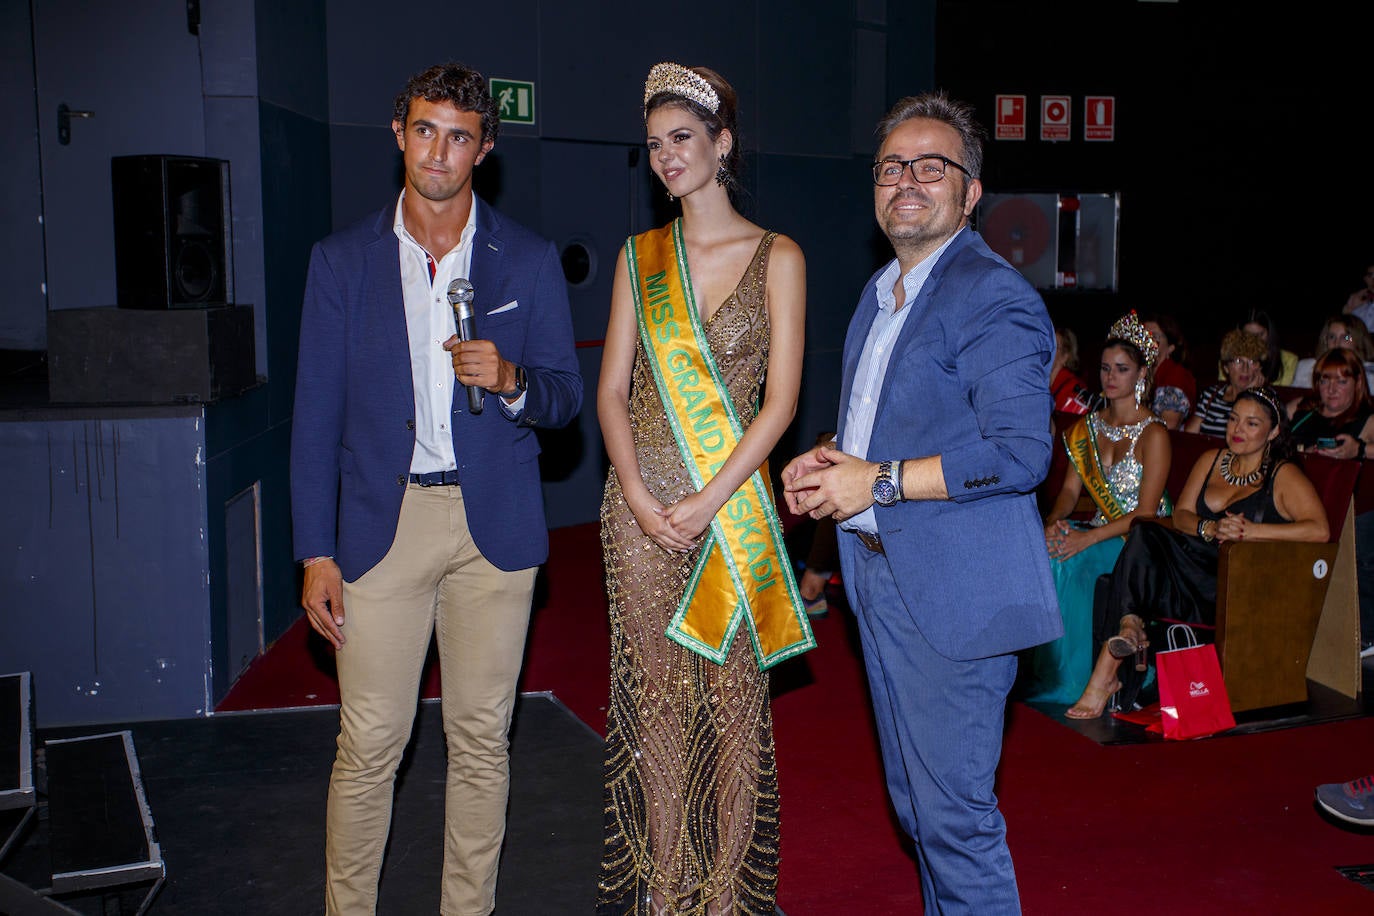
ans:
(1244, 180)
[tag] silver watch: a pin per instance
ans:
(886, 491)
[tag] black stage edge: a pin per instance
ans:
(238, 803)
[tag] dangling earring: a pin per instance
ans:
(671, 198)
(1139, 390)
(722, 174)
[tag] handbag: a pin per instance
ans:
(1192, 695)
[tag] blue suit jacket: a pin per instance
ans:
(353, 433)
(969, 381)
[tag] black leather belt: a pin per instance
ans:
(436, 479)
(871, 541)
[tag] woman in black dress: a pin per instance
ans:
(1247, 490)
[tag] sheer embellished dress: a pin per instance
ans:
(1060, 669)
(691, 796)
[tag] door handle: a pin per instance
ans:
(64, 122)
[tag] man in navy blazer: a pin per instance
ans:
(943, 438)
(414, 514)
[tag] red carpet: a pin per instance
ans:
(1219, 826)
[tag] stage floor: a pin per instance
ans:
(238, 804)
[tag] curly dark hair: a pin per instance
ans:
(456, 83)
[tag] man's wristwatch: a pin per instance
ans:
(887, 488)
(521, 385)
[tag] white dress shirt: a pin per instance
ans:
(872, 368)
(430, 322)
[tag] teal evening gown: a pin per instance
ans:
(1060, 670)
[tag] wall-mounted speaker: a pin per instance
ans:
(173, 244)
(1058, 240)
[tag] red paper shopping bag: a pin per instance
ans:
(1192, 695)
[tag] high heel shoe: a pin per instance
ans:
(1130, 641)
(1093, 702)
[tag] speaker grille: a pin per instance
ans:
(172, 238)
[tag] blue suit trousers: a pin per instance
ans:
(940, 725)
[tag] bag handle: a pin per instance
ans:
(1189, 637)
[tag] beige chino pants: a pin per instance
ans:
(434, 581)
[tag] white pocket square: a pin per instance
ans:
(508, 307)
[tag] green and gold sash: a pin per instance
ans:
(742, 572)
(1081, 444)
(1080, 441)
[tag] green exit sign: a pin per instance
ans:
(514, 99)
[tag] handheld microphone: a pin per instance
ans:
(460, 295)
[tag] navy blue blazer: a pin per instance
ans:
(353, 432)
(969, 381)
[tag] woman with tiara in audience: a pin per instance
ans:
(1247, 490)
(701, 310)
(1120, 458)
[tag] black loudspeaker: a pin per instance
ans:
(173, 244)
(137, 356)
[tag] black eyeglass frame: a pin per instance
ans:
(909, 165)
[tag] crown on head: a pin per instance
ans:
(678, 80)
(1128, 327)
(1267, 395)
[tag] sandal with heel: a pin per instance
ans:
(1130, 641)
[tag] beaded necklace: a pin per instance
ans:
(1117, 433)
(1246, 480)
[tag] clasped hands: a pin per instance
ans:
(1064, 540)
(479, 363)
(676, 528)
(828, 482)
(1232, 527)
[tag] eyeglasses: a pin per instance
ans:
(1242, 361)
(925, 169)
(1328, 379)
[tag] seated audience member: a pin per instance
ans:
(1279, 364)
(1242, 360)
(1336, 418)
(1069, 392)
(1175, 388)
(1119, 454)
(1246, 490)
(1361, 301)
(1339, 331)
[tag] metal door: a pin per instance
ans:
(113, 79)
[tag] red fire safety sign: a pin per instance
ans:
(1054, 117)
(1099, 117)
(1011, 117)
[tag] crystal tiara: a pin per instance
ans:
(678, 80)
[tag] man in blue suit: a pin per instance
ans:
(413, 514)
(943, 437)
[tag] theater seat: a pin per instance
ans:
(1270, 595)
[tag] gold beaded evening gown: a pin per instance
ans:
(691, 796)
